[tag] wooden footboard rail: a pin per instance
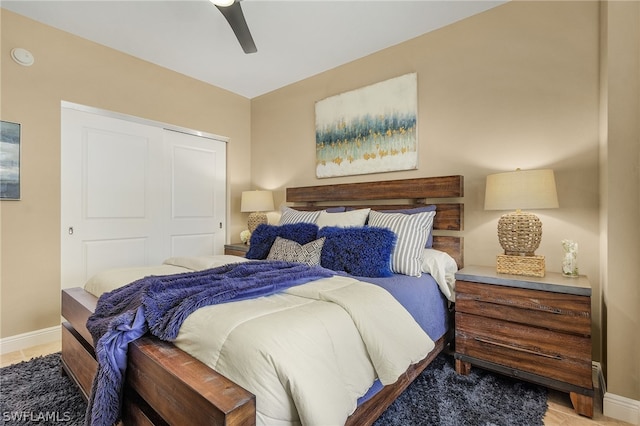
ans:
(183, 386)
(164, 385)
(171, 384)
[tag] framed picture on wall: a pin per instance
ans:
(368, 130)
(9, 160)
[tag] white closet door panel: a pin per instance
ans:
(115, 192)
(193, 186)
(198, 194)
(193, 245)
(111, 193)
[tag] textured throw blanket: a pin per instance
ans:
(160, 304)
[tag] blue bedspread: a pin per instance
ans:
(421, 297)
(160, 304)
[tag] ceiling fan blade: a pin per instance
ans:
(235, 17)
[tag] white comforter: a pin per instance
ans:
(310, 352)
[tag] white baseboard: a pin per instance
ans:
(27, 340)
(615, 406)
(621, 408)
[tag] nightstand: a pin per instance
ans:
(236, 249)
(534, 329)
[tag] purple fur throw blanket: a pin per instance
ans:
(160, 304)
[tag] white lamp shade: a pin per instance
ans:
(256, 201)
(520, 190)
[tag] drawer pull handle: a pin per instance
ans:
(525, 305)
(502, 345)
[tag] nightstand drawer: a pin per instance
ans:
(558, 356)
(554, 311)
(235, 252)
(237, 249)
(534, 328)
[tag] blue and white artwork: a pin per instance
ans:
(9, 160)
(369, 130)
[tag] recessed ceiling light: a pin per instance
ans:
(22, 56)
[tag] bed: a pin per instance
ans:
(165, 385)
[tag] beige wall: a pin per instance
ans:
(620, 183)
(73, 69)
(516, 86)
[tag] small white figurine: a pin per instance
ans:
(570, 260)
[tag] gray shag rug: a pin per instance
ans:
(440, 396)
(37, 393)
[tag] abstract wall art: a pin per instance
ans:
(369, 130)
(9, 160)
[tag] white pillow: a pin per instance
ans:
(273, 218)
(412, 232)
(344, 219)
(442, 268)
(290, 215)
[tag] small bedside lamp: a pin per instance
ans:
(256, 202)
(519, 232)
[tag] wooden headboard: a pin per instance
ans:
(404, 193)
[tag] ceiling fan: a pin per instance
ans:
(232, 11)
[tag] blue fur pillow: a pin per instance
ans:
(361, 251)
(264, 235)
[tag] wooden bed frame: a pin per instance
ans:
(165, 385)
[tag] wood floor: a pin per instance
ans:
(559, 413)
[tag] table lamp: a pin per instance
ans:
(520, 233)
(256, 202)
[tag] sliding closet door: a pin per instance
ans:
(197, 190)
(134, 194)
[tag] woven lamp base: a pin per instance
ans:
(519, 233)
(530, 266)
(256, 219)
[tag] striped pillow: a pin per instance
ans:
(412, 232)
(290, 215)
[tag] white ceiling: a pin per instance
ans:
(296, 39)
